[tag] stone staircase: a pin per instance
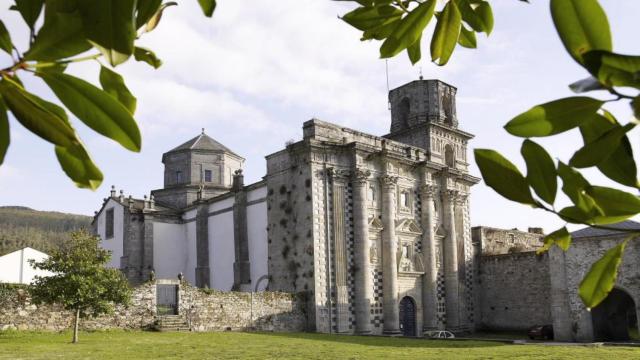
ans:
(171, 323)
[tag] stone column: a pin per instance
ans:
(363, 281)
(242, 265)
(203, 273)
(430, 278)
(389, 252)
(340, 263)
(451, 262)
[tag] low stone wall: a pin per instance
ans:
(208, 310)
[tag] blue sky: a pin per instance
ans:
(256, 71)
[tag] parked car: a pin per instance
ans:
(544, 332)
(440, 334)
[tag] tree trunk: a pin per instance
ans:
(75, 326)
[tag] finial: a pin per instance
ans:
(421, 77)
(202, 131)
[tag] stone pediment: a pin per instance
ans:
(375, 224)
(408, 226)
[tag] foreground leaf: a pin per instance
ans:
(620, 166)
(208, 7)
(600, 149)
(601, 278)
(409, 30)
(503, 177)
(30, 10)
(78, 166)
(4, 131)
(110, 27)
(145, 10)
(60, 37)
(446, 34)
(113, 84)
(614, 202)
(97, 109)
(467, 38)
(560, 237)
(485, 14)
(5, 39)
(148, 56)
(582, 26)
(574, 185)
(41, 117)
(155, 19)
(541, 171)
(613, 69)
(367, 18)
(554, 117)
(415, 51)
(587, 84)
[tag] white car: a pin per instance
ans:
(440, 334)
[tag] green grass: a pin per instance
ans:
(150, 345)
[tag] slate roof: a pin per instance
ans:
(203, 142)
(594, 232)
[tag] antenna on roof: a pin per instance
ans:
(386, 67)
(421, 77)
(202, 131)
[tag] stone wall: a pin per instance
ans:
(501, 241)
(514, 291)
(201, 310)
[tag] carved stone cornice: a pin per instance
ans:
(388, 181)
(451, 195)
(341, 174)
(461, 198)
(428, 190)
(360, 176)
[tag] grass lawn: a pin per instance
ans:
(150, 345)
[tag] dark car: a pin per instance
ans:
(544, 332)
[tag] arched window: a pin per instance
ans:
(449, 157)
(403, 112)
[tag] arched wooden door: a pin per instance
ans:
(408, 316)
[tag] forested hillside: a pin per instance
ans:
(41, 230)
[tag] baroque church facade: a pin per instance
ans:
(373, 230)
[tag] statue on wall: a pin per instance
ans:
(373, 253)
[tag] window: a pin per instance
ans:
(108, 233)
(449, 156)
(404, 199)
(207, 175)
(372, 193)
(178, 177)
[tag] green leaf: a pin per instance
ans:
(60, 37)
(155, 19)
(635, 106)
(5, 39)
(587, 84)
(41, 117)
(600, 279)
(553, 117)
(145, 10)
(600, 149)
(560, 237)
(30, 10)
(78, 166)
(113, 84)
(4, 131)
(620, 166)
(574, 185)
(446, 34)
(582, 26)
(148, 56)
(467, 38)
(381, 32)
(97, 109)
(613, 69)
(208, 7)
(503, 177)
(110, 27)
(485, 14)
(470, 16)
(414, 51)
(614, 202)
(367, 18)
(409, 30)
(541, 171)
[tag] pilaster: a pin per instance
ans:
(363, 279)
(241, 266)
(451, 281)
(202, 246)
(340, 178)
(430, 278)
(389, 253)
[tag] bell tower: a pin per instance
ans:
(423, 114)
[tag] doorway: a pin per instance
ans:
(615, 319)
(408, 316)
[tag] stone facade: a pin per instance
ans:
(202, 311)
(514, 291)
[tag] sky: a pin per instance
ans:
(258, 69)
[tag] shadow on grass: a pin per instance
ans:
(383, 341)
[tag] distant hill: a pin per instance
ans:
(42, 230)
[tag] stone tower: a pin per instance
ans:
(199, 169)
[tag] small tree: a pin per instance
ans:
(81, 283)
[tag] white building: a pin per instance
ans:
(15, 267)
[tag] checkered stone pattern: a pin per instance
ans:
(332, 282)
(441, 311)
(377, 319)
(350, 256)
(468, 258)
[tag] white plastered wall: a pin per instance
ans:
(190, 243)
(170, 254)
(257, 234)
(15, 267)
(114, 244)
(221, 245)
